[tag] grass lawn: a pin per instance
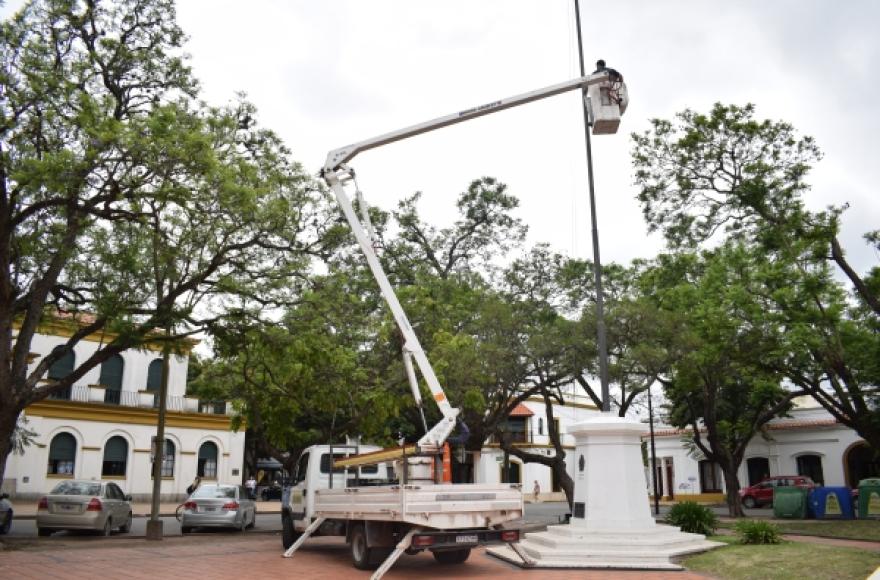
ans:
(845, 529)
(789, 560)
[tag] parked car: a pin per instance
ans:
(271, 492)
(5, 514)
(761, 494)
(218, 505)
(84, 505)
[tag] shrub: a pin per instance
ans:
(692, 517)
(757, 532)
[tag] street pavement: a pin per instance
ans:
(236, 557)
(257, 553)
(537, 515)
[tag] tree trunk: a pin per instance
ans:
(565, 481)
(731, 483)
(8, 422)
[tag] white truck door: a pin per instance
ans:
(299, 491)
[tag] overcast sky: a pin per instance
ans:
(325, 74)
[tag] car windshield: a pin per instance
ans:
(77, 488)
(215, 491)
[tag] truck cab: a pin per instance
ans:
(314, 471)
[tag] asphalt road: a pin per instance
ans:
(27, 528)
(540, 514)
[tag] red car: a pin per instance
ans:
(761, 493)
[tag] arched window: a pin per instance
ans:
(208, 461)
(861, 463)
(111, 378)
(63, 366)
(811, 466)
(59, 370)
(62, 454)
(167, 469)
(115, 456)
(154, 375)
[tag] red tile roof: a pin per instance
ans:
(521, 411)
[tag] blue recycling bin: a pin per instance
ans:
(829, 503)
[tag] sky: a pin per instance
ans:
(325, 74)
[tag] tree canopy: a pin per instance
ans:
(705, 179)
(126, 204)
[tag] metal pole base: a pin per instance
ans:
(154, 529)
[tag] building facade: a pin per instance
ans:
(104, 426)
(809, 442)
(529, 430)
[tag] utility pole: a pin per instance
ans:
(154, 524)
(597, 262)
(653, 455)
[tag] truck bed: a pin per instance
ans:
(439, 506)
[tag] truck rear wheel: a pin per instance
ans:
(363, 556)
(452, 556)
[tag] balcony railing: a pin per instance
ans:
(73, 393)
(142, 399)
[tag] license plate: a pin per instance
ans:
(68, 507)
(468, 539)
(209, 509)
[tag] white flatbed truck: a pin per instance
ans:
(418, 512)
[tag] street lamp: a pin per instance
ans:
(597, 262)
(653, 455)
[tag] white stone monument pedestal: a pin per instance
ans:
(611, 524)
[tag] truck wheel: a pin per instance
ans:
(288, 533)
(452, 556)
(364, 557)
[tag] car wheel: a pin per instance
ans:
(288, 533)
(43, 532)
(7, 523)
(749, 502)
(452, 556)
(108, 527)
(126, 527)
(185, 530)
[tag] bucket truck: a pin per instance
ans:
(418, 512)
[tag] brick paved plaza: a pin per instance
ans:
(210, 556)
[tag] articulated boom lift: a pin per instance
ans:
(606, 98)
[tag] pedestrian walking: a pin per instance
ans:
(537, 490)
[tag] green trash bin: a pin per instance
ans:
(869, 498)
(790, 502)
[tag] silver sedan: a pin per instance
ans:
(218, 505)
(84, 505)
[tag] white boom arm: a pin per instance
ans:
(606, 107)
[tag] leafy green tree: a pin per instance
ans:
(723, 385)
(126, 205)
(706, 176)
